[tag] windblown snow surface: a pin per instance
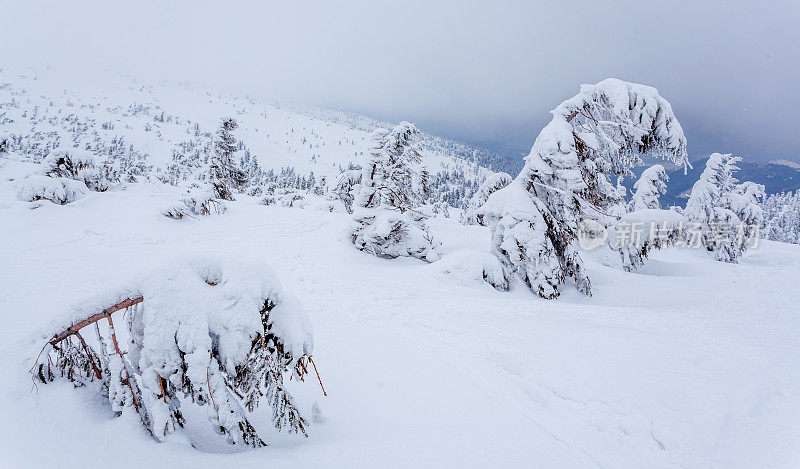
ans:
(687, 363)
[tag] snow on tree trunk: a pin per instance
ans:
(726, 215)
(220, 334)
(389, 219)
(225, 175)
(650, 186)
(493, 183)
(593, 136)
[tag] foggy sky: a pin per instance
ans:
(487, 73)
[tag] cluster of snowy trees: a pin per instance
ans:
(782, 217)
(535, 219)
(593, 137)
(128, 138)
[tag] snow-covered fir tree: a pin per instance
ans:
(725, 214)
(649, 187)
(493, 183)
(782, 217)
(594, 136)
(224, 175)
(346, 187)
(389, 219)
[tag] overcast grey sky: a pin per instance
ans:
(476, 72)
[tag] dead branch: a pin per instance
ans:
(106, 313)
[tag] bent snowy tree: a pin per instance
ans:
(594, 136)
(210, 333)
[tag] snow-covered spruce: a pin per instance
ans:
(216, 333)
(493, 183)
(638, 233)
(59, 190)
(389, 219)
(346, 188)
(726, 215)
(197, 201)
(224, 174)
(649, 187)
(593, 136)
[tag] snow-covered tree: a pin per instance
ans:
(388, 217)
(215, 333)
(346, 187)
(725, 214)
(650, 186)
(594, 136)
(493, 183)
(224, 175)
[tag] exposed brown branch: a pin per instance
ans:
(106, 313)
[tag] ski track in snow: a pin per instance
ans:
(688, 363)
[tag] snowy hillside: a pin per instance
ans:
(688, 363)
(165, 132)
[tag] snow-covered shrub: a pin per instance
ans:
(389, 219)
(216, 333)
(638, 233)
(285, 197)
(346, 187)
(198, 201)
(80, 166)
(782, 217)
(650, 186)
(593, 136)
(59, 190)
(493, 183)
(727, 215)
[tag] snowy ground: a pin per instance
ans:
(687, 363)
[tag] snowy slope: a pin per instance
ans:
(687, 363)
(169, 129)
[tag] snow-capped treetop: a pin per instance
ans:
(649, 187)
(625, 119)
(389, 176)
